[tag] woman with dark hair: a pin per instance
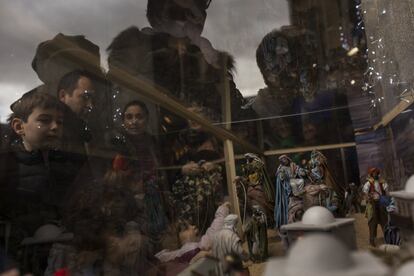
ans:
(139, 149)
(133, 140)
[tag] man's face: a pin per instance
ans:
(135, 120)
(42, 130)
(80, 101)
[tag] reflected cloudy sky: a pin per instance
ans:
(235, 26)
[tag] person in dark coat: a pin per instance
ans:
(81, 132)
(76, 91)
(134, 142)
(35, 174)
(138, 150)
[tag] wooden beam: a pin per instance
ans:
(230, 162)
(305, 149)
(387, 118)
(226, 98)
(279, 152)
(231, 176)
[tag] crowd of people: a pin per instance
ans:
(113, 208)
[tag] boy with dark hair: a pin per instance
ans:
(37, 120)
(35, 175)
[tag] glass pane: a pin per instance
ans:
(144, 137)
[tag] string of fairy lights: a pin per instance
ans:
(378, 59)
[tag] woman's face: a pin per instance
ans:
(194, 125)
(135, 120)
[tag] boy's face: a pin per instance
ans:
(80, 101)
(42, 130)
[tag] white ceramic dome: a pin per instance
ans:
(406, 270)
(317, 215)
(318, 254)
(409, 185)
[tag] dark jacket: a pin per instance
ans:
(35, 185)
(141, 150)
(75, 133)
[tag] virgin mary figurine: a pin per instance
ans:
(286, 171)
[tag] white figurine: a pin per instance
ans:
(227, 242)
(406, 269)
(407, 193)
